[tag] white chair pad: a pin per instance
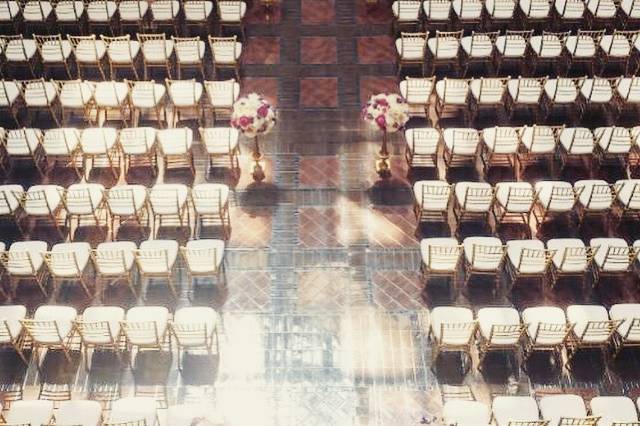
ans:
(470, 201)
(438, 201)
(580, 315)
(466, 413)
(131, 198)
(543, 315)
(482, 261)
(441, 262)
(488, 317)
(626, 312)
(200, 258)
(79, 413)
(558, 202)
(35, 412)
(531, 265)
(61, 141)
(10, 315)
(450, 315)
(572, 262)
(109, 314)
(98, 140)
(62, 315)
(514, 408)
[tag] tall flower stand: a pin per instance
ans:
(383, 166)
(258, 172)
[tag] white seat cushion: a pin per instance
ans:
(500, 9)
(163, 262)
(555, 407)
(478, 45)
(629, 89)
(63, 317)
(204, 256)
(25, 257)
(167, 198)
(145, 314)
(55, 51)
(147, 94)
(627, 312)
(79, 413)
(452, 92)
(406, 11)
(76, 94)
(596, 90)
(411, 48)
(488, 317)
(488, 90)
(137, 140)
(501, 140)
(547, 46)
(536, 9)
(628, 193)
(69, 10)
(199, 317)
(432, 195)
(577, 140)
(175, 141)
(516, 197)
(613, 140)
(467, 9)
(615, 45)
(9, 92)
(132, 10)
(126, 200)
(570, 254)
(445, 253)
(115, 257)
(570, 9)
(512, 46)
(90, 51)
(185, 93)
(612, 254)
(580, 46)
(630, 8)
(561, 90)
(527, 263)
(111, 94)
(474, 196)
(227, 52)
(514, 409)
(101, 11)
(40, 94)
(444, 47)
(197, 10)
(422, 141)
(437, 10)
(524, 90)
(232, 11)
(35, 412)
(43, 199)
(602, 8)
(222, 94)
(133, 409)
(22, 142)
(466, 413)
(538, 139)
(209, 198)
(84, 198)
(555, 196)
(69, 259)
(594, 194)
(61, 141)
(123, 52)
(9, 10)
(461, 141)
(544, 315)
(165, 10)
(98, 140)
(481, 260)
(581, 315)
(10, 316)
(613, 409)
(189, 52)
(451, 315)
(10, 196)
(220, 140)
(111, 315)
(36, 11)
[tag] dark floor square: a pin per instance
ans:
(319, 92)
(318, 11)
(376, 50)
(262, 50)
(266, 86)
(374, 11)
(371, 85)
(318, 50)
(258, 14)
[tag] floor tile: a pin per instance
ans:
(319, 171)
(319, 92)
(376, 50)
(261, 50)
(320, 227)
(266, 86)
(318, 50)
(318, 11)
(392, 226)
(370, 85)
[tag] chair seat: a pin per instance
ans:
(120, 250)
(630, 8)
(406, 11)
(232, 11)
(133, 409)
(615, 46)
(147, 96)
(157, 51)
(508, 409)
(20, 50)
(538, 140)
(123, 52)
(98, 140)
(189, 53)
(76, 94)
(126, 200)
(197, 10)
(411, 49)
(505, 191)
(175, 141)
(453, 92)
(55, 51)
(137, 140)
(524, 94)
(606, 259)
(467, 9)
(629, 89)
(466, 413)
(35, 412)
(581, 315)
(106, 314)
(210, 198)
(10, 196)
(474, 196)
(500, 9)
(535, 9)
(40, 94)
(501, 140)
(436, 10)
(561, 91)
(544, 315)
(569, 255)
(185, 93)
(441, 262)
(9, 92)
(170, 250)
(570, 9)
(84, 198)
(477, 46)
(613, 140)
(111, 94)
(526, 265)
(626, 312)
(79, 413)
(198, 255)
(487, 91)
(596, 90)
(144, 314)
(577, 140)
(546, 46)
(613, 409)
(599, 200)
(555, 196)
(481, 261)
(10, 316)
(584, 47)
(488, 317)
(9, 11)
(23, 250)
(555, 407)
(132, 10)
(438, 201)
(227, 52)
(603, 9)
(461, 141)
(168, 198)
(628, 193)
(36, 11)
(101, 11)
(422, 141)
(223, 94)
(63, 316)
(50, 202)
(513, 46)
(69, 267)
(69, 10)
(220, 140)
(451, 315)
(22, 142)
(90, 51)
(165, 10)
(444, 47)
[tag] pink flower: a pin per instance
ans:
(234, 123)
(263, 110)
(382, 102)
(244, 121)
(381, 122)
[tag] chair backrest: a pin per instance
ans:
(484, 37)
(464, 140)
(143, 92)
(7, 89)
(455, 88)
(81, 199)
(529, 89)
(232, 9)
(20, 260)
(419, 87)
(434, 194)
(157, 41)
(208, 196)
(10, 199)
(96, 331)
(158, 260)
(589, 36)
(519, 198)
(188, 47)
(142, 422)
(14, 46)
(122, 198)
(617, 258)
(583, 421)
(633, 89)
(492, 89)
(442, 254)
(119, 45)
(63, 260)
(560, 194)
(75, 89)
(223, 91)
(574, 256)
(505, 138)
(141, 331)
(84, 44)
(186, 333)
(476, 198)
(111, 261)
(49, 44)
(516, 36)
(599, 87)
(599, 331)
(227, 44)
(529, 423)
(424, 139)
(458, 331)
(483, 254)
(600, 194)
(552, 38)
(550, 332)
(531, 258)
(45, 331)
(38, 91)
(162, 8)
(186, 85)
(541, 135)
(37, 199)
(506, 332)
(447, 37)
(408, 42)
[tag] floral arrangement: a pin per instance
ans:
(386, 112)
(253, 115)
